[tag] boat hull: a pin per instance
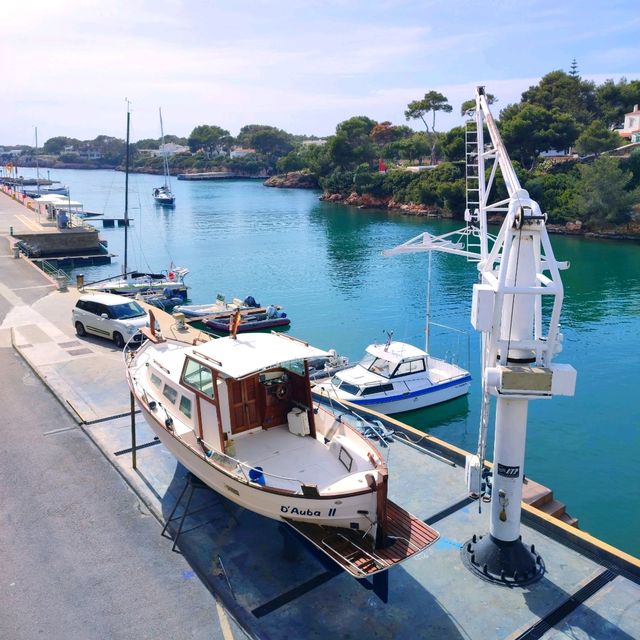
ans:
(166, 202)
(336, 510)
(222, 326)
(416, 399)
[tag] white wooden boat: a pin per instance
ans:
(238, 413)
(396, 377)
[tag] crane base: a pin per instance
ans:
(507, 563)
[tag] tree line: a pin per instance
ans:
(563, 111)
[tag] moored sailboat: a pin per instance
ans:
(130, 283)
(163, 195)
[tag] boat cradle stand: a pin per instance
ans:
(191, 484)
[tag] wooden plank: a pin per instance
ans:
(413, 537)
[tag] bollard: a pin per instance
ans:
(62, 282)
(11, 231)
(16, 251)
(79, 281)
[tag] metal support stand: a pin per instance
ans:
(192, 484)
(133, 432)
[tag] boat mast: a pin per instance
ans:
(165, 163)
(126, 190)
(37, 164)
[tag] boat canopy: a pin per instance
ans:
(253, 352)
(60, 202)
(395, 352)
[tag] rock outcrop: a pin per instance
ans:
(293, 180)
(367, 201)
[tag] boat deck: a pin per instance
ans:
(286, 455)
(407, 535)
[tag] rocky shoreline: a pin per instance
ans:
(629, 231)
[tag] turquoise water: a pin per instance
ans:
(323, 263)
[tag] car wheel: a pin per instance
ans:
(80, 330)
(118, 339)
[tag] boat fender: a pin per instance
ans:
(169, 424)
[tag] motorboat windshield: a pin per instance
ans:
(380, 366)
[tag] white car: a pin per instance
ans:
(110, 316)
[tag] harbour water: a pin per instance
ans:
(323, 263)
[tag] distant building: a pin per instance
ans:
(631, 128)
(556, 153)
(171, 148)
(89, 154)
(240, 152)
(311, 143)
(11, 153)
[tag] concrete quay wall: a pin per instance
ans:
(61, 242)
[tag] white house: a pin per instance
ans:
(240, 152)
(631, 128)
(171, 148)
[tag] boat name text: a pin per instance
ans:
(294, 511)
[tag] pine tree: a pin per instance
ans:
(574, 69)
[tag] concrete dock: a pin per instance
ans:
(83, 555)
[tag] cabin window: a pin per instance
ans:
(411, 366)
(185, 406)
(378, 388)
(198, 377)
(170, 393)
(377, 365)
(350, 388)
(155, 380)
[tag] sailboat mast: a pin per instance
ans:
(37, 164)
(165, 164)
(126, 192)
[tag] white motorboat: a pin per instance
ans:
(396, 377)
(238, 413)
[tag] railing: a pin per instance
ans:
(53, 271)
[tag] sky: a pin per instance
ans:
(67, 66)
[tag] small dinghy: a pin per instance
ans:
(247, 321)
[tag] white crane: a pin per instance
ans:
(516, 268)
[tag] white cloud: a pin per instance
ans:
(69, 64)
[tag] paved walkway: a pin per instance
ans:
(83, 556)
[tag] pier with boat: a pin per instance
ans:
(477, 555)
